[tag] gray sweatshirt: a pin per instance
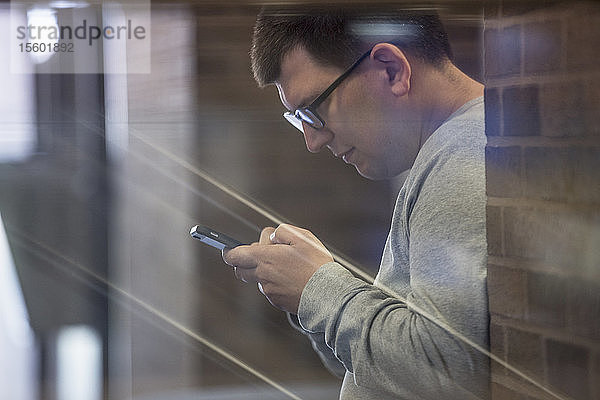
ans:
(434, 261)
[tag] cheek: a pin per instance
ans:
(354, 105)
(373, 117)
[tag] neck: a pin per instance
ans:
(443, 92)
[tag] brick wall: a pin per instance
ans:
(543, 183)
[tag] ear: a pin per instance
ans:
(396, 65)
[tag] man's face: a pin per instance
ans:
(364, 124)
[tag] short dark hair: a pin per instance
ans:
(337, 35)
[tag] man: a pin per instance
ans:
(379, 90)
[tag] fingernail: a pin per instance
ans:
(272, 236)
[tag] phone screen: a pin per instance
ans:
(214, 238)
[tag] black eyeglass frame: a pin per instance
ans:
(309, 113)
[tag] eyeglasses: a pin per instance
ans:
(309, 114)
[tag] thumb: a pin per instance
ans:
(290, 234)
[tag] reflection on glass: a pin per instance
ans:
(79, 358)
(46, 34)
(17, 111)
(18, 351)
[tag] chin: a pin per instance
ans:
(378, 174)
(371, 174)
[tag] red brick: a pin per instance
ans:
(497, 349)
(586, 167)
(565, 239)
(549, 173)
(524, 352)
(595, 376)
(506, 290)
(583, 39)
(542, 46)
(521, 111)
(497, 370)
(497, 340)
(492, 112)
(583, 302)
(563, 174)
(546, 299)
(592, 105)
(567, 366)
(502, 51)
(520, 233)
(586, 187)
(562, 109)
(494, 230)
(503, 171)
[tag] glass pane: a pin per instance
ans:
(105, 295)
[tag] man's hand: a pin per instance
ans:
(282, 262)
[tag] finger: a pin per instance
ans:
(265, 235)
(224, 252)
(241, 256)
(245, 275)
(289, 234)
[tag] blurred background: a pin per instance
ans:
(103, 293)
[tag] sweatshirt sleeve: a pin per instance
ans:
(325, 353)
(383, 340)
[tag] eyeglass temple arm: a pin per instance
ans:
(335, 83)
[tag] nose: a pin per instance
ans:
(316, 139)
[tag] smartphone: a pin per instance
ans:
(214, 238)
